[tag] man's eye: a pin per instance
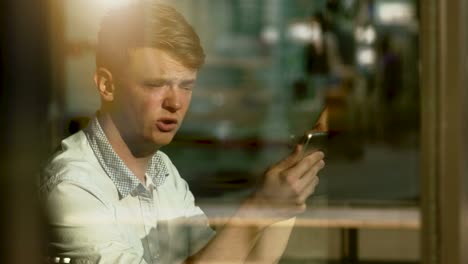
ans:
(187, 87)
(154, 84)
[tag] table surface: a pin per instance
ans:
(337, 217)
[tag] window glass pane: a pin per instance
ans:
(272, 67)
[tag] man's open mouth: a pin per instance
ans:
(167, 124)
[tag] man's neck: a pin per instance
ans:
(136, 163)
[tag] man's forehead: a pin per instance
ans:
(154, 62)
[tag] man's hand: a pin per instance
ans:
(250, 236)
(287, 185)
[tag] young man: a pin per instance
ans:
(114, 197)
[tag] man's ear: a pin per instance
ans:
(104, 83)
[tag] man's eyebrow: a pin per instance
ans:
(187, 82)
(167, 80)
(161, 79)
(156, 80)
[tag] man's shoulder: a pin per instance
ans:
(72, 148)
(73, 162)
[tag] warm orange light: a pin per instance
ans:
(112, 3)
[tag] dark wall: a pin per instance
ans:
(24, 98)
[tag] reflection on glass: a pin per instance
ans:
(272, 67)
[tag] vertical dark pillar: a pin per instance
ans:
(24, 98)
(444, 173)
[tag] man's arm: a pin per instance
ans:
(272, 243)
(282, 196)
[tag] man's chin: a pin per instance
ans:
(162, 140)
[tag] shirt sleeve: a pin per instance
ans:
(83, 228)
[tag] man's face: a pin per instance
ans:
(152, 97)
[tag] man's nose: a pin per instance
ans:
(172, 100)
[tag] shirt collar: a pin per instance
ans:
(120, 174)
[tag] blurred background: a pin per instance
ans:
(272, 66)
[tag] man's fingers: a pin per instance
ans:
(309, 178)
(304, 166)
(300, 187)
(308, 190)
(291, 160)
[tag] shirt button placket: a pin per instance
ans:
(156, 248)
(150, 222)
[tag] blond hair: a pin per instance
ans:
(147, 24)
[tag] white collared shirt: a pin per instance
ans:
(99, 212)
